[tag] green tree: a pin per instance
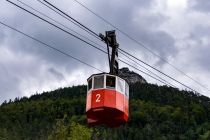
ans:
(79, 132)
(70, 131)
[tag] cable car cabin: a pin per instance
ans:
(107, 100)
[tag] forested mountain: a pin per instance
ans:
(156, 113)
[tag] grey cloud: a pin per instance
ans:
(9, 84)
(117, 12)
(134, 17)
(199, 58)
(203, 60)
(201, 53)
(159, 42)
(163, 43)
(22, 45)
(202, 5)
(200, 31)
(141, 26)
(121, 15)
(56, 73)
(55, 38)
(2, 35)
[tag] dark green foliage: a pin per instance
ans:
(156, 113)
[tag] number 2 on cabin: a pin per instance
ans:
(98, 97)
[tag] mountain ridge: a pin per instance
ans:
(156, 113)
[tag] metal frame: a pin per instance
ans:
(104, 86)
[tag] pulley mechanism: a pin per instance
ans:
(110, 40)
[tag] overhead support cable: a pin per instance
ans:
(97, 47)
(68, 28)
(140, 43)
(64, 53)
(68, 17)
(143, 72)
(91, 40)
(168, 83)
(49, 46)
(158, 71)
(56, 26)
(121, 49)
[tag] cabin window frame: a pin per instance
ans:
(90, 88)
(121, 88)
(102, 82)
(126, 89)
(114, 88)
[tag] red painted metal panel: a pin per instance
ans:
(110, 98)
(120, 101)
(97, 99)
(126, 104)
(88, 101)
(106, 106)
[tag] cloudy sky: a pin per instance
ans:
(176, 30)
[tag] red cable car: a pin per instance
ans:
(107, 93)
(107, 100)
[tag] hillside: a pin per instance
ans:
(156, 113)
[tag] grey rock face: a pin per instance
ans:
(130, 76)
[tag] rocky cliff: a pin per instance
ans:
(130, 76)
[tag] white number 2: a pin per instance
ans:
(98, 97)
